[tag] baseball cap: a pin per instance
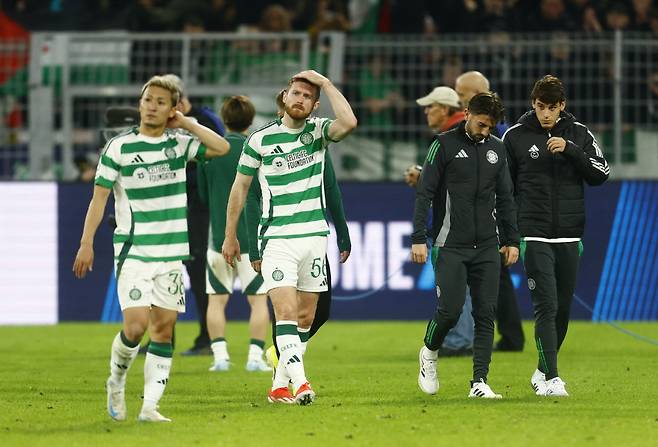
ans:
(441, 95)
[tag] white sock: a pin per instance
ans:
(220, 350)
(121, 358)
(303, 338)
(255, 352)
(156, 376)
(287, 339)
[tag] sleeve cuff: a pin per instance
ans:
(325, 131)
(105, 183)
(246, 170)
(201, 153)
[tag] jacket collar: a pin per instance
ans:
(529, 119)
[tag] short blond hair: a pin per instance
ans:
(166, 83)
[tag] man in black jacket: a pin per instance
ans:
(465, 178)
(198, 223)
(550, 154)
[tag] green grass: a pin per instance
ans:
(51, 393)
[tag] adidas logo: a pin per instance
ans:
(461, 154)
(324, 283)
(181, 302)
(534, 152)
(163, 381)
(277, 150)
(121, 366)
(138, 159)
(293, 359)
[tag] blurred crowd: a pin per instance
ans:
(357, 16)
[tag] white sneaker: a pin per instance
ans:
(220, 365)
(151, 416)
(555, 388)
(116, 401)
(538, 382)
(427, 378)
(257, 365)
(482, 390)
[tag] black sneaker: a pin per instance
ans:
(197, 350)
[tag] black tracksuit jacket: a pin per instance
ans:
(548, 187)
(465, 181)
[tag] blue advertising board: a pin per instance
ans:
(617, 271)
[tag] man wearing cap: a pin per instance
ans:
(442, 109)
(443, 112)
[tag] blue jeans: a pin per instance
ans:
(461, 336)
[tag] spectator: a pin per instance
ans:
(585, 16)
(617, 17)
(380, 95)
(641, 15)
(551, 16)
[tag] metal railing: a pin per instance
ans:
(54, 93)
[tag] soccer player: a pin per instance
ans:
(288, 157)
(215, 180)
(145, 168)
(550, 156)
(308, 323)
(466, 179)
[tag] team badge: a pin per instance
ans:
(135, 294)
(492, 157)
(531, 284)
(306, 138)
(277, 275)
(140, 173)
(170, 153)
(534, 152)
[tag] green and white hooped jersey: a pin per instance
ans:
(147, 175)
(290, 168)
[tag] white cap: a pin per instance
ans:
(441, 95)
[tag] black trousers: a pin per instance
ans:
(551, 269)
(455, 268)
(197, 223)
(508, 317)
(322, 311)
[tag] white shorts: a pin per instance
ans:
(146, 284)
(220, 276)
(297, 262)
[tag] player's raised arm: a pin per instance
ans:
(84, 260)
(216, 145)
(345, 121)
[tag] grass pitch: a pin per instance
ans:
(51, 392)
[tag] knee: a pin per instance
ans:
(286, 311)
(546, 309)
(162, 330)
(485, 313)
(134, 331)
